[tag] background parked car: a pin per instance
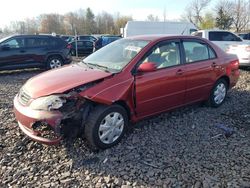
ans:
(229, 42)
(68, 38)
(245, 36)
(29, 51)
(104, 40)
(87, 37)
(84, 47)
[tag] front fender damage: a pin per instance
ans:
(70, 122)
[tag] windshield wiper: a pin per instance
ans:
(105, 68)
(87, 64)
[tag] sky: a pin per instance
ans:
(18, 10)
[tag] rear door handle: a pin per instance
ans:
(213, 65)
(179, 72)
(22, 51)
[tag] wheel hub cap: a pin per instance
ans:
(219, 93)
(55, 63)
(111, 128)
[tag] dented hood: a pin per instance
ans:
(62, 79)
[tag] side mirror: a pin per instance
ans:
(5, 47)
(147, 67)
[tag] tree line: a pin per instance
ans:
(226, 15)
(82, 21)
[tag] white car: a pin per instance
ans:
(242, 51)
(229, 42)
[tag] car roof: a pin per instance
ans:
(160, 37)
(34, 36)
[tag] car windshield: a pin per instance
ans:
(115, 56)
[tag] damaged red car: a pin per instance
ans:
(124, 82)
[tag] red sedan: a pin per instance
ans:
(125, 81)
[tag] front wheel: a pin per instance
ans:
(218, 94)
(54, 62)
(106, 126)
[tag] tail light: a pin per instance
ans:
(69, 46)
(248, 48)
(234, 65)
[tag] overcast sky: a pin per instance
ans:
(12, 10)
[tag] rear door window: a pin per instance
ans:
(197, 51)
(36, 42)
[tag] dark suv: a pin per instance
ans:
(29, 51)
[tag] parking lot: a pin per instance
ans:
(182, 148)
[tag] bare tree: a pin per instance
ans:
(241, 15)
(105, 23)
(152, 18)
(70, 23)
(50, 23)
(194, 11)
(120, 22)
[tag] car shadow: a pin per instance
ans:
(21, 71)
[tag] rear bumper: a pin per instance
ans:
(29, 121)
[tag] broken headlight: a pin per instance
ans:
(48, 103)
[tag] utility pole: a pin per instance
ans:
(76, 43)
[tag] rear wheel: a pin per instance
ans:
(218, 94)
(54, 62)
(106, 126)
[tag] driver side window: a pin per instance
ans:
(14, 43)
(164, 55)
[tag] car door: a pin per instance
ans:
(164, 88)
(88, 47)
(12, 53)
(36, 49)
(201, 66)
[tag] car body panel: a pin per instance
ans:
(62, 79)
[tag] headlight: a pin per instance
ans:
(48, 103)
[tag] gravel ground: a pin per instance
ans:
(183, 148)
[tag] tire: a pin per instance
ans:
(54, 62)
(218, 93)
(99, 133)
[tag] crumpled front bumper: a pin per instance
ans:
(28, 118)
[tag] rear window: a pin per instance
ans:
(222, 36)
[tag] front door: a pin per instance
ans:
(164, 88)
(12, 53)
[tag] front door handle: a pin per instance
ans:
(179, 72)
(22, 51)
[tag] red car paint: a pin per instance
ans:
(144, 94)
(62, 79)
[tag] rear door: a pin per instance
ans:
(164, 88)
(36, 50)
(12, 53)
(201, 68)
